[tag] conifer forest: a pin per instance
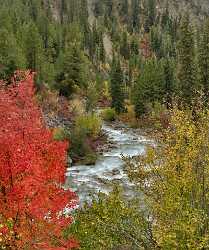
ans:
(104, 124)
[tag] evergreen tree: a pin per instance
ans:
(43, 27)
(34, 9)
(124, 8)
(135, 65)
(150, 86)
(98, 9)
(152, 12)
(92, 97)
(85, 26)
(6, 18)
(169, 88)
(165, 18)
(156, 42)
(139, 98)
(11, 55)
(186, 61)
(73, 10)
(203, 59)
(124, 48)
(33, 47)
(102, 55)
(115, 32)
(72, 73)
(109, 7)
(91, 48)
(73, 35)
(134, 46)
(95, 39)
(135, 18)
(150, 16)
(116, 84)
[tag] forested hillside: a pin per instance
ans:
(104, 124)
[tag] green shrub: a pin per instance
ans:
(80, 149)
(86, 129)
(90, 125)
(90, 158)
(159, 115)
(108, 114)
(111, 222)
(61, 134)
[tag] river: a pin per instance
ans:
(87, 180)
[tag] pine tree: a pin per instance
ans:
(203, 60)
(135, 18)
(124, 47)
(91, 48)
(33, 47)
(134, 46)
(11, 55)
(72, 73)
(156, 41)
(152, 12)
(109, 7)
(116, 84)
(63, 10)
(165, 17)
(72, 10)
(186, 61)
(95, 39)
(102, 55)
(43, 26)
(98, 9)
(34, 9)
(139, 104)
(150, 16)
(150, 86)
(84, 23)
(124, 8)
(169, 87)
(92, 97)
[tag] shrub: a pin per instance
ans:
(90, 125)
(159, 116)
(77, 107)
(90, 158)
(61, 134)
(129, 117)
(78, 144)
(111, 222)
(80, 148)
(48, 100)
(85, 132)
(92, 97)
(108, 114)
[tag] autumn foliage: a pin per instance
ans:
(32, 169)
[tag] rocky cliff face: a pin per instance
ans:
(196, 8)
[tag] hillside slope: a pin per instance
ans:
(196, 8)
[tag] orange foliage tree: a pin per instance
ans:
(32, 167)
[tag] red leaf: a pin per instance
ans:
(32, 169)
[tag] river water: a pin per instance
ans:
(88, 180)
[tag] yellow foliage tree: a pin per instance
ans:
(174, 178)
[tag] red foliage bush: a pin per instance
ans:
(32, 171)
